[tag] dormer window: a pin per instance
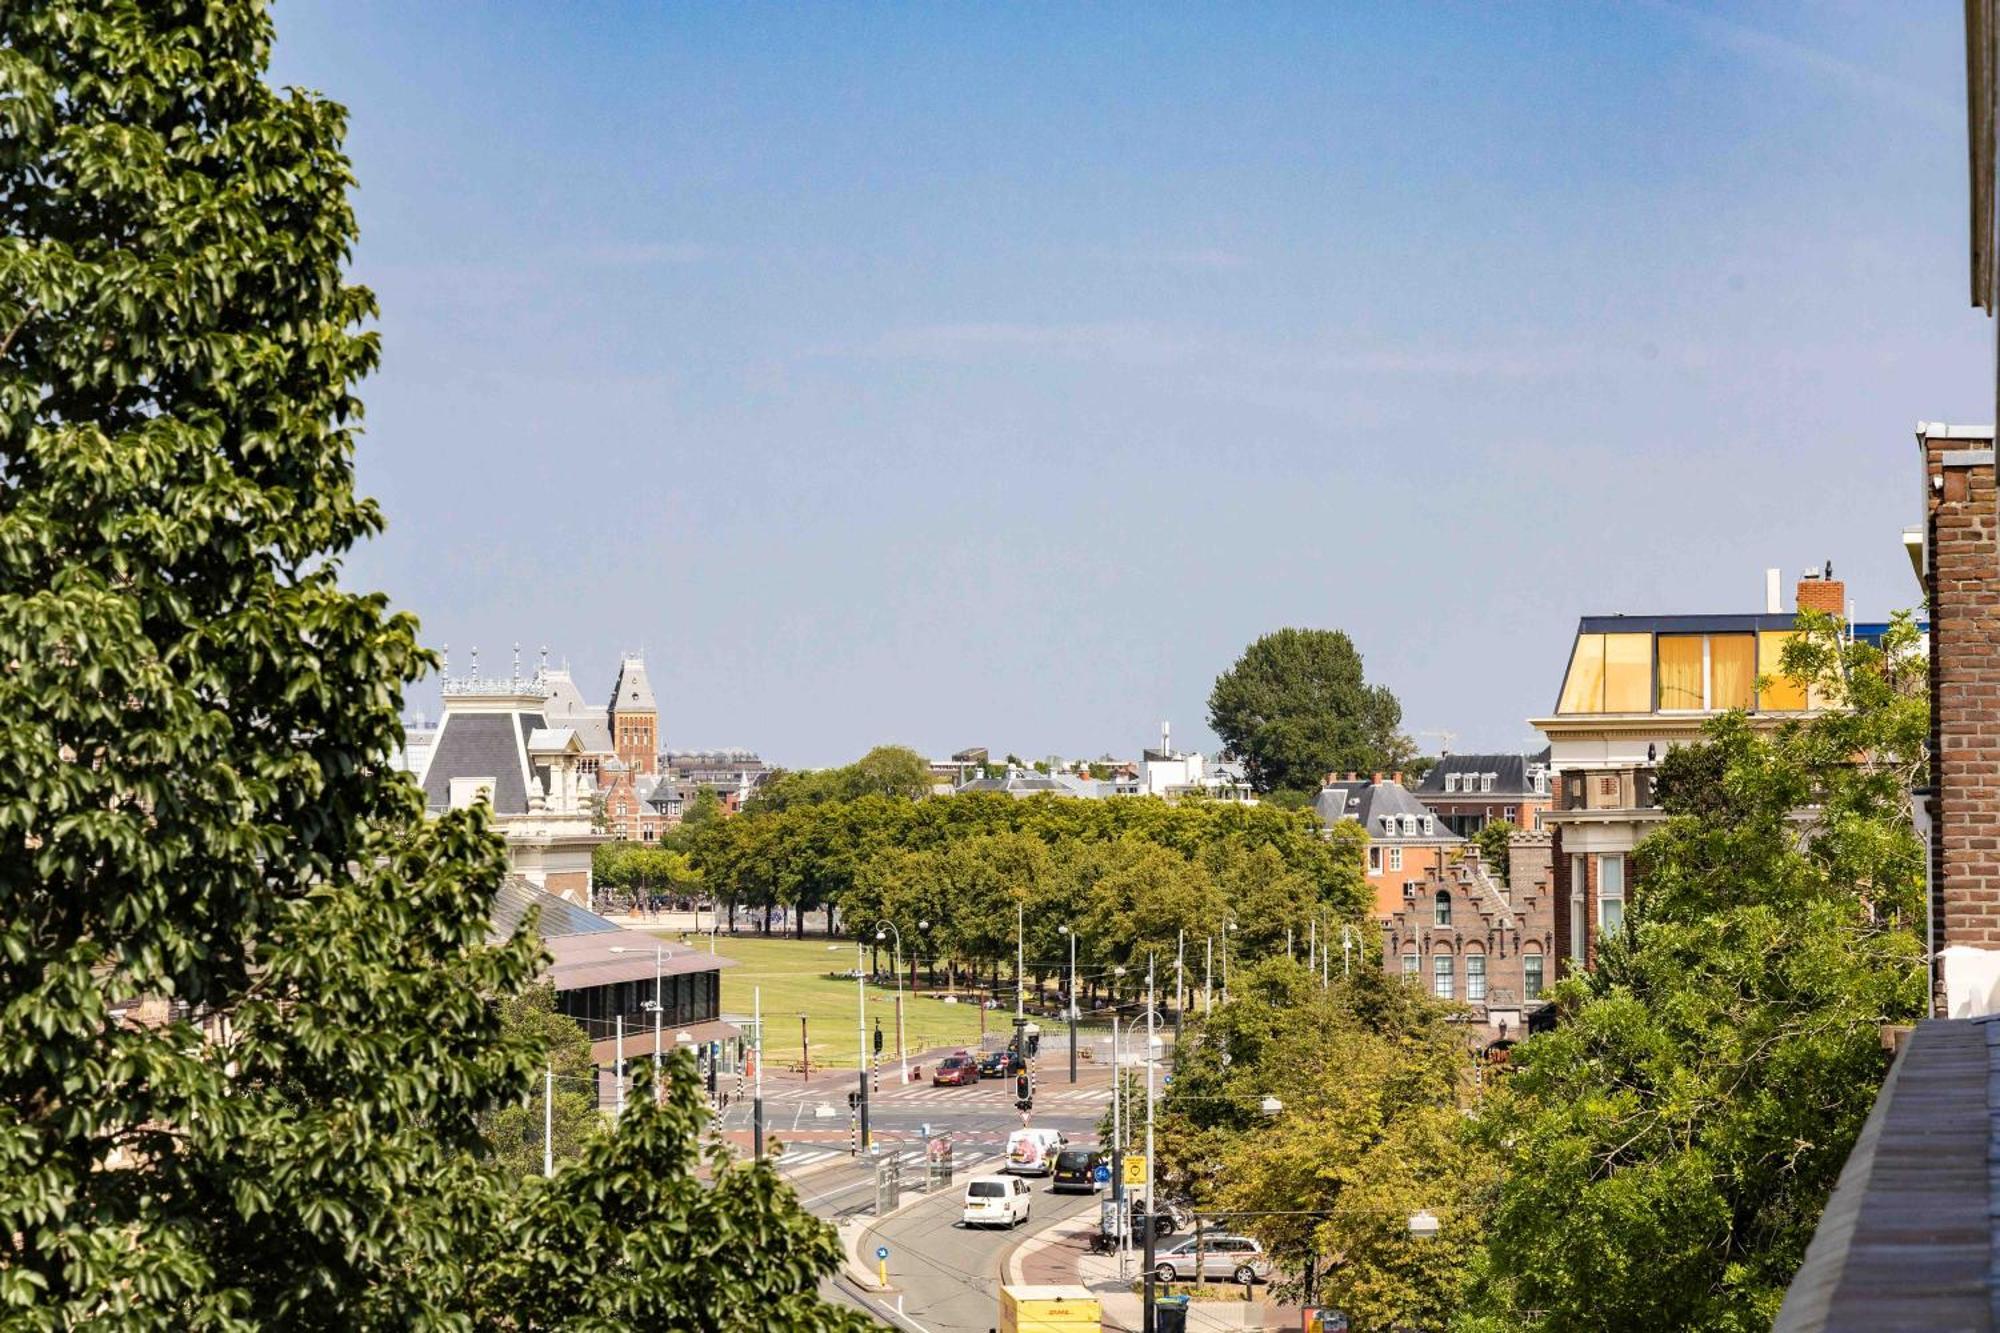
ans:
(1486, 781)
(1388, 824)
(1451, 782)
(1430, 826)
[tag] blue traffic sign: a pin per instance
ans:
(1102, 1174)
(881, 1251)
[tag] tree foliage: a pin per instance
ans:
(1674, 1139)
(1491, 839)
(1374, 1083)
(1296, 707)
(514, 1132)
(247, 1030)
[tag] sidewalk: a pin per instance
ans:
(1061, 1255)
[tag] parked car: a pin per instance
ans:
(1076, 1170)
(994, 1064)
(1223, 1258)
(1032, 1152)
(997, 1200)
(955, 1069)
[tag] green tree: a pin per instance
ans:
(1296, 707)
(278, 1125)
(705, 808)
(1671, 1144)
(1491, 840)
(514, 1131)
(634, 1237)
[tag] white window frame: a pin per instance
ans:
(1430, 825)
(1412, 964)
(1441, 908)
(1539, 974)
(1444, 978)
(1606, 862)
(1475, 977)
(1486, 781)
(1395, 858)
(1578, 864)
(1507, 812)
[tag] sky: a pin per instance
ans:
(954, 375)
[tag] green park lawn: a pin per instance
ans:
(794, 976)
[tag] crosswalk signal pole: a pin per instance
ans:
(757, 1098)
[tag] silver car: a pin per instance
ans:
(1223, 1258)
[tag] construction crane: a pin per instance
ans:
(1445, 738)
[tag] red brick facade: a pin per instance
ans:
(1962, 585)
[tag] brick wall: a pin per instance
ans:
(1825, 595)
(1962, 584)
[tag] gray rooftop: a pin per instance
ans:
(1908, 1239)
(632, 692)
(1370, 802)
(482, 745)
(1510, 773)
(565, 707)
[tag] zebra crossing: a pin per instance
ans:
(800, 1159)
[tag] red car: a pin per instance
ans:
(957, 1068)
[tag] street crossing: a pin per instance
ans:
(796, 1160)
(836, 1092)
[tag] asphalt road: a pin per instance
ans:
(948, 1275)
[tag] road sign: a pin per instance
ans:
(1135, 1170)
(1102, 1175)
(881, 1251)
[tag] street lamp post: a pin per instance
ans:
(1020, 954)
(1072, 1000)
(861, 1026)
(1147, 1321)
(1228, 927)
(902, 1062)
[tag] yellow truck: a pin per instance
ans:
(1049, 1310)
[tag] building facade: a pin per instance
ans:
(1406, 840)
(1636, 686)
(1467, 936)
(1469, 791)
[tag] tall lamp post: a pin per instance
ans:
(1228, 928)
(659, 1010)
(861, 1026)
(1072, 1000)
(880, 927)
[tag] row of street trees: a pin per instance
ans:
(957, 876)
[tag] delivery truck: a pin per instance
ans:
(1049, 1310)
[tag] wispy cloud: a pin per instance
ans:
(647, 252)
(1782, 53)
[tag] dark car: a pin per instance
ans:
(994, 1064)
(1076, 1171)
(957, 1068)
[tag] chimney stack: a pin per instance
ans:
(1820, 591)
(1774, 603)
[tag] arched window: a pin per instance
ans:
(1531, 973)
(1443, 907)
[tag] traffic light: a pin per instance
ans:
(1034, 1044)
(1021, 1085)
(878, 1036)
(853, 1100)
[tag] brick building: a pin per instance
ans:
(1469, 791)
(1466, 936)
(1635, 687)
(1960, 566)
(1405, 839)
(621, 747)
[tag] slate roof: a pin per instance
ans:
(1369, 802)
(1031, 783)
(482, 745)
(565, 707)
(1510, 773)
(632, 692)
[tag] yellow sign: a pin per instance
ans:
(1135, 1171)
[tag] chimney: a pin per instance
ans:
(1773, 598)
(1375, 778)
(1398, 779)
(1820, 591)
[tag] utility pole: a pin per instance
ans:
(1020, 954)
(1072, 1003)
(1208, 976)
(620, 1077)
(1346, 951)
(1147, 1322)
(757, 1096)
(861, 1026)
(1122, 1231)
(549, 1119)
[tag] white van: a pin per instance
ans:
(996, 1200)
(1032, 1152)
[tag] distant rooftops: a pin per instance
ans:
(1389, 811)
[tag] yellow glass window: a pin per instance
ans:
(1583, 687)
(1628, 673)
(1782, 693)
(1732, 671)
(1680, 671)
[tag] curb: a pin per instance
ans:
(854, 1230)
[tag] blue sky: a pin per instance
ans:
(955, 375)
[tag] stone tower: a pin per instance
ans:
(635, 718)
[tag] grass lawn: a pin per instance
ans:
(793, 975)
